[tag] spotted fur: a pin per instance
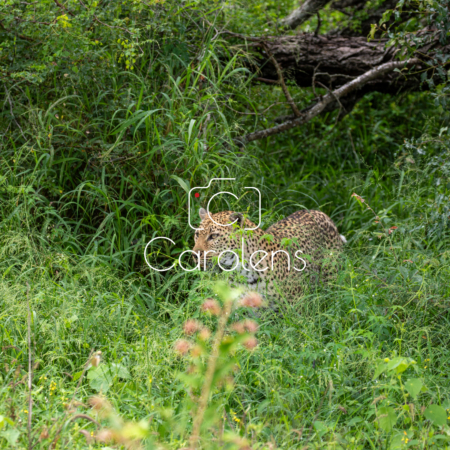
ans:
(314, 245)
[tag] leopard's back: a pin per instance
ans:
(316, 235)
(311, 228)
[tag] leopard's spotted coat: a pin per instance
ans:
(313, 233)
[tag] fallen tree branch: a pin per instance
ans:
(300, 15)
(335, 95)
(340, 58)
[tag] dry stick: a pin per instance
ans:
(30, 370)
(8, 98)
(198, 419)
(283, 84)
(60, 5)
(266, 80)
(303, 13)
(85, 416)
(319, 22)
(357, 83)
(341, 107)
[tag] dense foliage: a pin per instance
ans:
(112, 111)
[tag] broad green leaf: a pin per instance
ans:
(120, 371)
(399, 364)
(320, 427)
(99, 378)
(373, 29)
(413, 386)
(77, 375)
(191, 126)
(436, 414)
(386, 418)
(386, 16)
(4, 420)
(102, 377)
(11, 436)
(381, 367)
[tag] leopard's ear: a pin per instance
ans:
(203, 213)
(238, 218)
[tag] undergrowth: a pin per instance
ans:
(100, 147)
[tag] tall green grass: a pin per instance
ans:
(102, 162)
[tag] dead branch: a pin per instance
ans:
(315, 110)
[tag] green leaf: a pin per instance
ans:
(102, 377)
(120, 371)
(436, 415)
(379, 370)
(399, 364)
(99, 378)
(446, 404)
(183, 183)
(320, 428)
(373, 29)
(4, 420)
(77, 375)
(11, 436)
(386, 418)
(413, 386)
(386, 16)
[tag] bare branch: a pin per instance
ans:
(344, 90)
(283, 84)
(305, 12)
(60, 5)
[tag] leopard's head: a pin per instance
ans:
(217, 232)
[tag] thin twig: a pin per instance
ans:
(242, 36)
(283, 84)
(84, 416)
(341, 107)
(30, 371)
(8, 98)
(60, 5)
(266, 80)
(258, 113)
(315, 110)
(319, 22)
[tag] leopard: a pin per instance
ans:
(282, 261)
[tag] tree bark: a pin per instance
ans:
(347, 67)
(332, 61)
(302, 14)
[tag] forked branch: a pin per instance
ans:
(333, 96)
